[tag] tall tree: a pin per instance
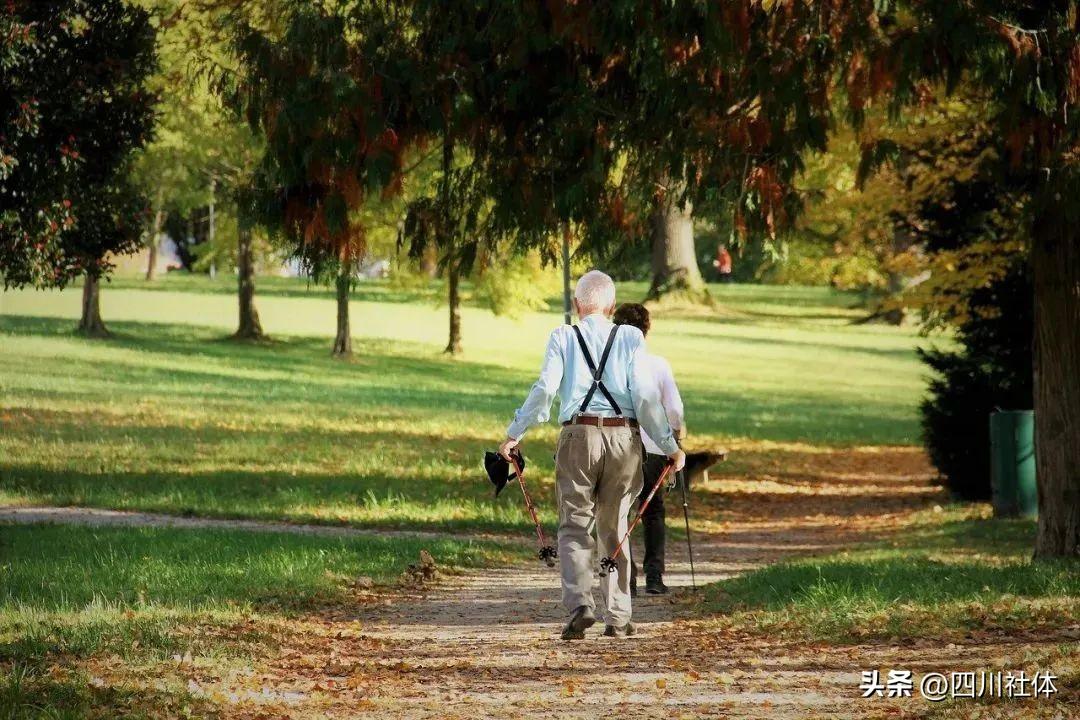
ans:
(326, 92)
(1024, 58)
(674, 256)
(580, 111)
(586, 107)
(202, 154)
(73, 106)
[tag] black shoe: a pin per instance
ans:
(625, 631)
(655, 585)
(582, 619)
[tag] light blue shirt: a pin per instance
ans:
(629, 381)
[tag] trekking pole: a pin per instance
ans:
(608, 564)
(547, 553)
(686, 517)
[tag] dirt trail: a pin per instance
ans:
(484, 644)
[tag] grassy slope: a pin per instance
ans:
(170, 417)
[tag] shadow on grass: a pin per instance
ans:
(364, 502)
(191, 363)
(995, 537)
(799, 347)
(395, 374)
(27, 693)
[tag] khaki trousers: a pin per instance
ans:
(597, 475)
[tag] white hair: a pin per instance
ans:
(594, 292)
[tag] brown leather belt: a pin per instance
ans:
(596, 421)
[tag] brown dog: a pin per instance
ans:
(698, 464)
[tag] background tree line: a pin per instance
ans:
(502, 130)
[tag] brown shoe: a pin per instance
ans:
(625, 631)
(582, 619)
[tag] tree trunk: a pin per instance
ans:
(453, 277)
(429, 262)
(447, 241)
(151, 262)
(896, 282)
(895, 288)
(1056, 263)
(211, 230)
(674, 258)
(91, 324)
(155, 233)
(250, 327)
(343, 340)
(568, 308)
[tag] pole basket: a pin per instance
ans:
(606, 565)
(548, 554)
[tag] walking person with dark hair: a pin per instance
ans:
(655, 459)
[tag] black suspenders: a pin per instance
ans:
(597, 371)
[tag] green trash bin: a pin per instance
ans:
(1012, 463)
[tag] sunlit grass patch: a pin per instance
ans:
(102, 622)
(944, 579)
(170, 417)
(54, 567)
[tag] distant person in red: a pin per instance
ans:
(722, 263)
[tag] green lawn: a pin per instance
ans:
(169, 416)
(946, 576)
(136, 597)
(75, 591)
(61, 568)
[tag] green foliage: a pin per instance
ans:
(513, 286)
(201, 152)
(326, 92)
(74, 103)
(992, 370)
(581, 110)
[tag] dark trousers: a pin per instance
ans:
(653, 519)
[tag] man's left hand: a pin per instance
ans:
(508, 445)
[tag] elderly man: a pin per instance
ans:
(605, 392)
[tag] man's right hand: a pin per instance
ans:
(679, 458)
(507, 446)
